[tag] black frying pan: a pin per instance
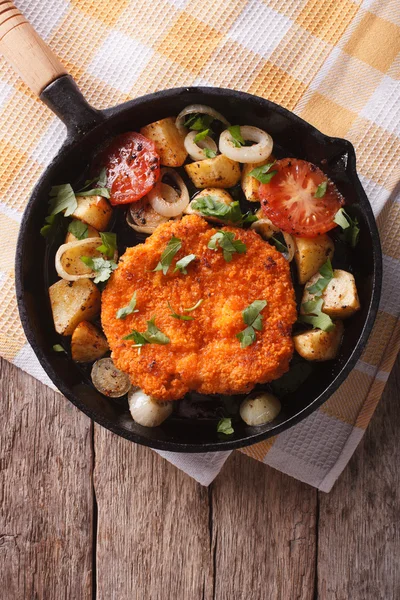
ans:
(87, 129)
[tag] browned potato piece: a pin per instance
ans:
(87, 343)
(93, 210)
(219, 172)
(319, 345)
(340, 296)
(73, 302)
(168, 141)
(249, 184)
(92, 232)
(311, 254)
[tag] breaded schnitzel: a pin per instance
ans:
(203, 354)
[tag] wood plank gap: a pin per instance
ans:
(95, 516)
(213, 540)
(317, 507)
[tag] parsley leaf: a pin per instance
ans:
(350, 227)
(151, 336)
(236, 136)
(62, 199)
(199, 122)
(198, 303)
(209, 153)
(78, 229)
(51, 224)
(102, 267)
(278, 245)
(317, 318)
(59, 348)
(178, 316)
(201, 135)
(99, 190)
(321, 190)
(225, 426)
(122, 313)
(109, 245)
(183, 263)
(263, 173)
(173, 246)
(253, 320)
(210, 206)
(226, 241)
(326, 273)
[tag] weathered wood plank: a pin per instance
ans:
(359, 524)
(153, 538)
(45, 493)
(264, 534)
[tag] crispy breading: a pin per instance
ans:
(203, 354)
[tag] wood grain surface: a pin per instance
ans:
(87, 515)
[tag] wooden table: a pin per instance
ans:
(85, 514)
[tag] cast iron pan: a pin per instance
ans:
(193, 427)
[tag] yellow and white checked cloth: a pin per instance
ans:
(336, 63)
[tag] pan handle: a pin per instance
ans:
(43, 73)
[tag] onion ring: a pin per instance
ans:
(165, 200)
(82, 271)
(201, 109)
(260, 151)
(196, 149)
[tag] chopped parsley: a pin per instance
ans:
(253, 319)
(62, 199)
(185, 317)
(225, 426)
(122, 313)
(52, 222)
(228, 244)
(209, 153)
(236, 136)
(99, 190)
(350, 227)
(151, 336)
(263, 173)
(321, 190)
(78, 229)
(109, 245)
(59, 348)
(183, 263)
(210, 206)
(315, 316)
(173, 246)
(326, 273)
(201, 135)
(199, 122)
(102, 267)
(198, 303)
(278, 245)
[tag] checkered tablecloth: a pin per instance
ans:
(335, 63)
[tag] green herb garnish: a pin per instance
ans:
(173, 246)
(210, 206)
(209, 153)
(51, 224)
(225, 426)
(350, 227)
(102, 267)
(321, 190)
(122, 313)
(178, 316)
(236, 136)
(151, 336)
(278, 245)
(253, 320)
(201, 135)
(59, 348)
(62, 199)
(109, 245)
(228, 244)
(99, 190)
(326, 273)
(183, 263)
(263, 173)
(199, 122)
(198, 303)
(78, 229)
(316, 317)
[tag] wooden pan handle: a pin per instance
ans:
(26, 52)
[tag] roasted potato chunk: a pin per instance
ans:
(311, 254)
(73, 302)
(168, 141)
(93, 210)
(249, 184)
(87, 343)
(319, 345)
(340, 296)
(92, 232)
(218, 172)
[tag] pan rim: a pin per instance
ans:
(222, 445)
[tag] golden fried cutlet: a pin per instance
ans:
(203, 354)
